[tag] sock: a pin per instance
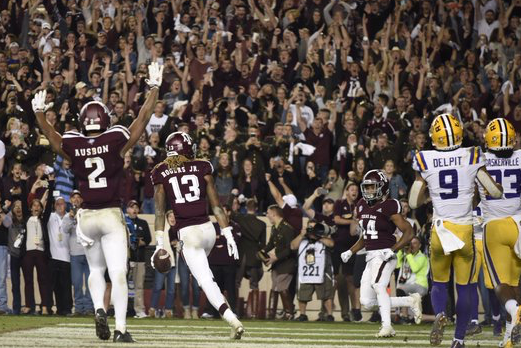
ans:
(494, 303)
(119, 297)
(475, 321)
(511, 307)
(508, 329)
(401, 302)
(460, 341)
(462, 310)
(230, 318)
(384, 302)
(496, 317)
(439, 297)
(97, 286)
(474, 301)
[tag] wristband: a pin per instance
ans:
(159, 239)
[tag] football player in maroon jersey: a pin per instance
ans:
(97, 156)
(378, 218)
(188, 185)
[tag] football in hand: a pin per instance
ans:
(162, 261)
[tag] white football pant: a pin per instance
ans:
(373, 286)
(198, 241)
(108, 231)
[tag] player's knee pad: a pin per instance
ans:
(379, 288)
(368, 302)
(118, 277)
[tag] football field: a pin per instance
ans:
(79, 332)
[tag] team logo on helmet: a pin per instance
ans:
(180, 143)
(380, 182)
(499, 135)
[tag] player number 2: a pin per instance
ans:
(191, 196)
(95, 181)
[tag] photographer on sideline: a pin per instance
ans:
(414, 268)
(315, 269)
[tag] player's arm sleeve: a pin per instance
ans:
(418, 162)
(493, 188)
(417, 192)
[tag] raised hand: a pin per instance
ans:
(38, 102)
(155, 75)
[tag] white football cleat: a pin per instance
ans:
(237, 331)
(386, 331)
(417, 307)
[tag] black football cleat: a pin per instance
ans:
(438, 327)
(123, 337)
(102, 325)
(473, 329)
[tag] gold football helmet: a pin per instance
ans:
(500, 135)
(446, 132)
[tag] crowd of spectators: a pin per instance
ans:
(295, 97)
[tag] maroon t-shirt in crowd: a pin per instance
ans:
(97, 164)
(322, 143)
(293, 217)
(376, 223)
(343, 238)
(185, 189)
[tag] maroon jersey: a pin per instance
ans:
(376, 223)
(97, 164)
(185, 188)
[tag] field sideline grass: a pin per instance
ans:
(23, 331)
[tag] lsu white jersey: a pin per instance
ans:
(450, 177)
(507, 172)
(477, 221)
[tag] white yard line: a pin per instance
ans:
(82, 336)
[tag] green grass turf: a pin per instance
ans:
(79, 332)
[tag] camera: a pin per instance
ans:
(316, 232)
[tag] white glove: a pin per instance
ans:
(230, 242)
(346, 255)
(388, 255)
(39, 102)
(342, 151)
(159, 245)
(155, 75)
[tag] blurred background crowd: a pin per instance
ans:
(292, 101)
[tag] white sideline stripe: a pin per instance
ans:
(252, 328)
(53, 333)
(216, 330)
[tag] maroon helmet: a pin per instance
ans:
(381, 184)
(179, 143)
(94, 116)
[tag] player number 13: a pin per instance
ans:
(191, 196)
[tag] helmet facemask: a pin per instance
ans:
(371, 190)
